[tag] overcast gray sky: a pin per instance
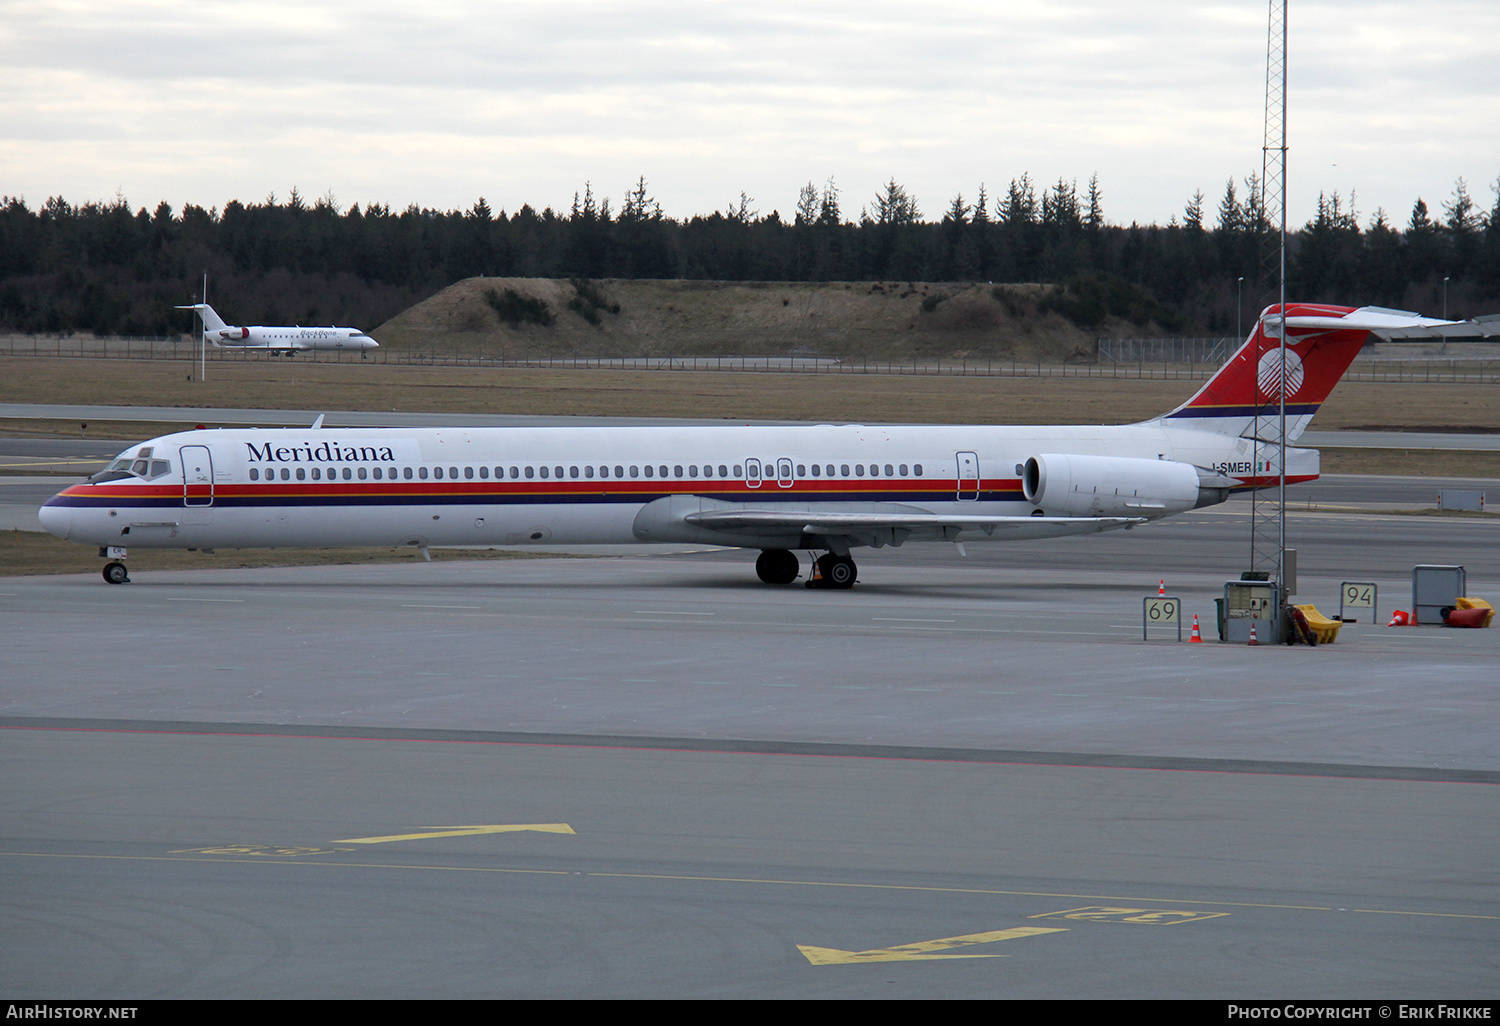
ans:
(439, 103)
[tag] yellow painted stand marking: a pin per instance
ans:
(1146, 916)
(922, 950)
(257, 849)
(464, 831)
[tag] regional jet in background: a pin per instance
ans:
(822, 488)
(288, 340)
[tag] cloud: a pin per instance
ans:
(439, 103)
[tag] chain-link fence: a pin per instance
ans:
(1151, 358)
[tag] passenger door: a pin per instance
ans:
(968, 475)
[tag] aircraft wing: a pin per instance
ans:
(935, 525)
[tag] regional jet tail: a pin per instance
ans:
(288, 340)
(823, 488)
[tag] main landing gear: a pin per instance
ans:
(778, 566)
(831, 570)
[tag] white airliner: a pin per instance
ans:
(822, 488)
(289, 340)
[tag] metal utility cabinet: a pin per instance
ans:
(1248, 603)
(1432, 588)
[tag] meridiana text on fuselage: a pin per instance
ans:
(322, 452)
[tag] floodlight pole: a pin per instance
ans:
(1268, 520)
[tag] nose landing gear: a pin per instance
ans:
(115, 573)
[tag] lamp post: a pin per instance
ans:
(1239, 312)
(1445, 297)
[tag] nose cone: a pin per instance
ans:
(56, 518)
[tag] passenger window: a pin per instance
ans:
(557, 471)
(917, 468)
(830, 470)
(816, 469)
(317, 473)
(437, 472)
(545, 471)
(301, 474)
(753, 472)
(889, 470)
(515, 472)
(724, 471)
(801, 470)
(333, 473)
(422, 473)
(391, 473)
(469, 473)
(676, 471)
(693, 470)
(286, 475)
(484, 473)
(738, 470)
(874, 469)
(588, 471)
(663, 471)
(361, 473)
(903, 470)
(844, 469)
(572, 471)
(619, 472)
(254, 474)
(859, 470)
(633, 472)
(648, 470)
(453, 473)
(530, 474)
(406, 473)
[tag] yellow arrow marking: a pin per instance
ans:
(464, 831)
(922, 950)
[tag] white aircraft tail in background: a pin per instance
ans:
(288, 340)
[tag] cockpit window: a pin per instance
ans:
(125, 466)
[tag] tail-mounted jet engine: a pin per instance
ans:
(1103, 486)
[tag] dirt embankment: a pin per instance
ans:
(539, 317)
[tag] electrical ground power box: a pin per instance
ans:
(1251, 604)
(1432, 588)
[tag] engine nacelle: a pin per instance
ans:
(229, 334)
(1112, 486)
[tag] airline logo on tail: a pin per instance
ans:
(1268, 374)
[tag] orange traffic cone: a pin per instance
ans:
(1253, 639)
(1161, 588)
(1197, 637)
